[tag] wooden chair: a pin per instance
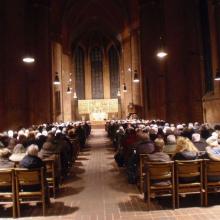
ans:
(51, 174)
(7, 188)
(189, 178)
(142, 160)
(211, 178)
(159, 180)
(30, 186)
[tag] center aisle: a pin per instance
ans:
(102, 192)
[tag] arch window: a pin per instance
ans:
(96, 58)
(114, 71)
(80, 73)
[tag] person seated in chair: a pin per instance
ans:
(31, 160)
(158, 155)
(4, 158)
(185, 149)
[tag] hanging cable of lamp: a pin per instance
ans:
(56, 79)
(30, 24)
(69, 88)
(161, 53)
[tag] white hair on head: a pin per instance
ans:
(171, 139)
(212, 141)
(215, 135)
(10, 133)
(44, 132)
(190, 125)
(195, 137)
(21, 132)
(32, 150)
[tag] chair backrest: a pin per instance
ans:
(212, 168)
(159, 170)
(188, 168)
(6, 178)
(50, 166)
(25, 177)
(143, 159)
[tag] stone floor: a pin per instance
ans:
(98, 190)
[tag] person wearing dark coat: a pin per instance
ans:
(186, 150)
(31, 160)
(198, 142)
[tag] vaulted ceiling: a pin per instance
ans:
(71, 19)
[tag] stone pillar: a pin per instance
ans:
(66, 68)
(127, 65)
(183, 83)
(149, 40)
(57, 67)
(41, 86)
(14, 73)
(2, 66)
(135, 50)
(217, 25)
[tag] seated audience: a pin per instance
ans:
(4, 158)
(18, 153)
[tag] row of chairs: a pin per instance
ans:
(19, 185)
(176, 178)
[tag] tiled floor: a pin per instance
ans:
(97, 190)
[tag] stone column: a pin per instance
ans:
(135, 50)
(216, 4)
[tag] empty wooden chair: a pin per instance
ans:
(30, 186)
(7, 188)
(211, 178)
(188, 178)
(159, 180)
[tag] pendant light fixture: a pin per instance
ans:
(56, 79)
(69, 88)
(68, 91)
(217, 76)
(161, 52)
(119, 93)
(74, 95)
(124, 88)
(136, 77)
(28, 59)
(30, 30)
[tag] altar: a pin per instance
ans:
(98, 109)
(98, 116)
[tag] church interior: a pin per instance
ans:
(95, 79)
(67, 38)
